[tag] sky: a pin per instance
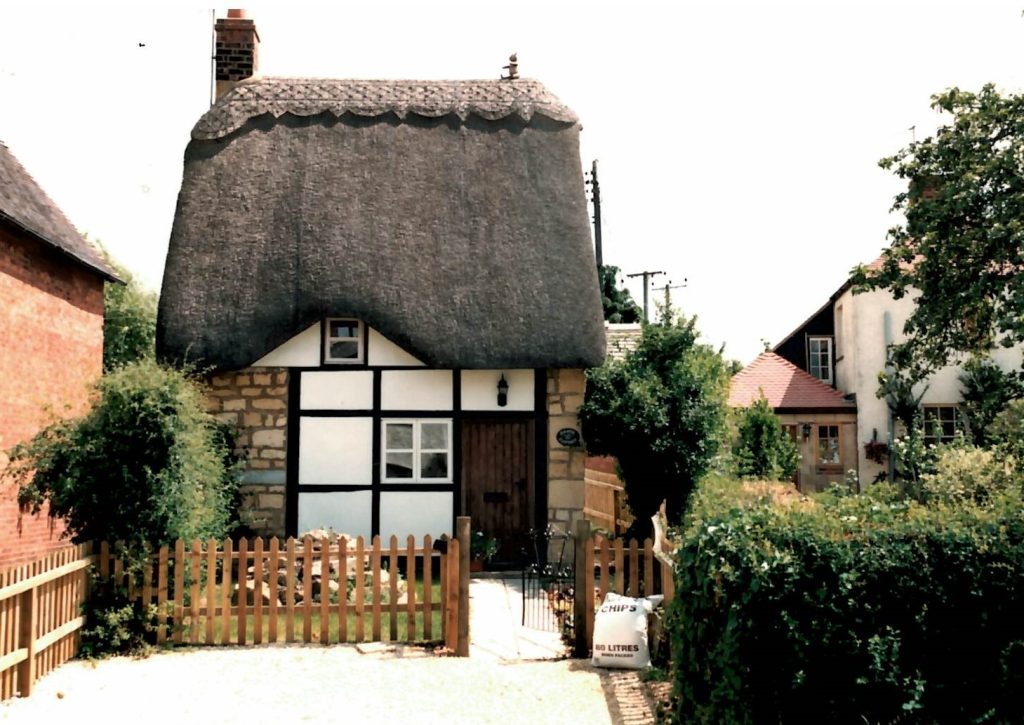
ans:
(738, 142)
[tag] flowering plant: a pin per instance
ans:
(482, 547)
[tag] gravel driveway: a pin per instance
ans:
(285, 684)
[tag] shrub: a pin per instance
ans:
(661, 413)
(969, 475)
(849, 609)
(145, 464)
(986, 392)
(762, 449)
(1007, 429)
(116, 623)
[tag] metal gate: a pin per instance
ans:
(548, 580)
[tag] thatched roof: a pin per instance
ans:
(25, 206)
(448, 215)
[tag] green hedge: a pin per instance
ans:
(850, 609)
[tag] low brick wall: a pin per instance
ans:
(256, 401)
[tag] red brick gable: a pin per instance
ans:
(785, 386)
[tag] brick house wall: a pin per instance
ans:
(51, 351)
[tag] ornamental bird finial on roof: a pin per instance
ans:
(512, 68)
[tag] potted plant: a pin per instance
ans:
(876, 451)
(482, 549)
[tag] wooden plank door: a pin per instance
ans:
(498, 481)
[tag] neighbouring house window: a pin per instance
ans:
(819, 358)
(417, 451)
(828, 445)
(343, 341)
(941, 422)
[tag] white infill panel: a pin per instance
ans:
(404, 513)
(301, 351)
(346, 512)
(335, 451)
(337, 390)
(382, 351)
(480, 389)
(416, 390)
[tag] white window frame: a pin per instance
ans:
(360, 340)
(830, 353)
(417, 450)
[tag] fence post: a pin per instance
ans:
(27, 641)
(582, 586)
(450, 594)
(463, 534)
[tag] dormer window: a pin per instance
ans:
(343, 341)
(819, 358)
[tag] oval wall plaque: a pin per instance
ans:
(568, 437)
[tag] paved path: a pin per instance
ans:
(496, 633)
(495, 629)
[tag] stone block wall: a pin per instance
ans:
(256, 401)
(566, 464)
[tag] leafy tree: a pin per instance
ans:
(129, 320)
(661, 413)
(617, 302)
(1007, 429)
(986, 392)
(896, 388)
(145, 464)
(962, 244)
(762, 450)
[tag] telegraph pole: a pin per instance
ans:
(667, 289)
(595, 191)
(647, 275)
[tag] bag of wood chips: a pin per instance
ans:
(620, 632)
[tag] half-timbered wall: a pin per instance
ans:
(335, 470)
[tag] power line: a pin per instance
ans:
(647, 275)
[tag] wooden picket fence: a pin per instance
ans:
(327, 590)
(40, 617)
(603, 566)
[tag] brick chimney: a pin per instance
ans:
(237, 46)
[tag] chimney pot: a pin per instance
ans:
(237, 13)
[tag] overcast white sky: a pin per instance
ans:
(738, 141)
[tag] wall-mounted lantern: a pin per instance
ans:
(502, 392)
(806, 428)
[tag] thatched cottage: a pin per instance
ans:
(394, 284)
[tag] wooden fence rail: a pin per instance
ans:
(40, 617)
(329, 590)
(604, 500)
(603, 566)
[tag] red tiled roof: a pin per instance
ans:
(784, 385)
